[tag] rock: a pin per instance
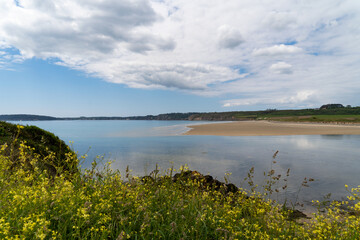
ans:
(231, 188)
(206, 181)
(295, 214)
(147, 179)
(208, 178)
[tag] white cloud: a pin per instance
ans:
(213, 48)
(280, 20)
(301, 97)
(229, 37)
(281, 68)
(190, 76)
(277, 50)
(81, 29)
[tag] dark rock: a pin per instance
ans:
(295, 214)
(206, 182)
(208, 179)
(216, 184)
(147, 179)
(231, 188)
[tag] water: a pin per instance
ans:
(331, 160)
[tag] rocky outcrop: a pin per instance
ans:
(206, 182)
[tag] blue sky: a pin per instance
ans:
(39, 87)
(123, 58)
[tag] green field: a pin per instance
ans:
(344, 115)
(317, 118)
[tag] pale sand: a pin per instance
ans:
(266, 128)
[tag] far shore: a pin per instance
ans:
(268, 128)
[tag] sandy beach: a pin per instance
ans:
(267, 128)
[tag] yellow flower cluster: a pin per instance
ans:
(102, 204)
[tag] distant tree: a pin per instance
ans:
(331, 106)
(271, 110)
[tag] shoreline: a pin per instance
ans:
(272, 128)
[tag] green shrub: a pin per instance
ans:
(53, 152)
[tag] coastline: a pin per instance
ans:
(271, 128)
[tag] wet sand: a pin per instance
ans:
(267, 128)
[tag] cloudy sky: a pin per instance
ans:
(138, 57)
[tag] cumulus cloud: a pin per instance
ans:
(301, 97)
(280, 20)
(145, 43)
(81, 28)
(229, 37)
(276, 50)
(211, 48)
(190, 76)
(281, 68)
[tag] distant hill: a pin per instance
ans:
(25, 117)
(329, 112)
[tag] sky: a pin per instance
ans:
(74, 58)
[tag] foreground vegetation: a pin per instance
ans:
(100, 203)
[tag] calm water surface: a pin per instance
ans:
(331, 160)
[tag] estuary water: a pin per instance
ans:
(331, 160)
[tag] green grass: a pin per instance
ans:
(318, 118)
(100, 203)
(347, 115)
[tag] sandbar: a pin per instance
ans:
(268, 128)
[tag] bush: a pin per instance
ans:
(53, 152)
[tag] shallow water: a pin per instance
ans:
(332, 160)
